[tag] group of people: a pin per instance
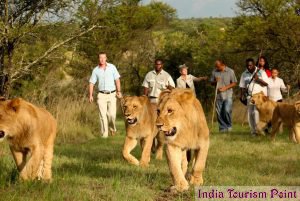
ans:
(256, 78)
(259, 78)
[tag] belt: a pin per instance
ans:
(107, 92)
(152, 97)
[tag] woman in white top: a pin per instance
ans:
(187, 80)
(276, 86)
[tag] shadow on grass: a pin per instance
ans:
(102, 158)
(97, 150)
(242, 136)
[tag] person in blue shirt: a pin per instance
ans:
(107, 78)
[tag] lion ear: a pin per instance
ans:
(14, 104)
(143, 99)
(124, 99)
(186, 95)
(265, 98)
(164, 94)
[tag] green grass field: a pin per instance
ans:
(95, 170)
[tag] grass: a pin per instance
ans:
(95, 170)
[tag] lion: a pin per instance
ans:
(140, 124)
(182, 120)
(265, 107)
(30, 132)
(289, 115)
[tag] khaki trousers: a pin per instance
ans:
(107, 112)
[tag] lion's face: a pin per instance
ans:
(170, 118)
(8, 116)
(259, 98)
(133, 108)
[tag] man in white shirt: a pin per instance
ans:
(156, 81)
(253, 81)
(276, 86)
(109, 88)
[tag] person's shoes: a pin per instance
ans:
(104, 137)
(229, 130)
(113, 133)
(253, 134)
(223, 131)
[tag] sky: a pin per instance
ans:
(201, 8)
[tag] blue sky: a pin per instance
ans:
(201, 8)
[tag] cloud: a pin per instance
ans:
(202, 8)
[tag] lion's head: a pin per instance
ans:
(172, 115)
(135, 107)
(259, 98)
(8, 117)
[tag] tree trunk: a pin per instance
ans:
(7, 75)
(3, 76)
(1, 59)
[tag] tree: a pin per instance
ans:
(270, 26)
(20, 19)
(128, 40)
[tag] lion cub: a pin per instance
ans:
(182, 120)
(30, 131)
(140, 124)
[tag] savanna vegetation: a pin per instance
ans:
(49, 47)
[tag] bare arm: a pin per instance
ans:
(260, 81)
(170, 87)
(225, 88)
(231, 85)
(91, 90)
(118, 86)
(198, 79)
(146, 91)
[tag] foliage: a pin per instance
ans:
(270, 26)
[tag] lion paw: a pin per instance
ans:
(178, 188)
(272, 139)
(144, 164)
(134, 162)
(197, 181)
(159, 157)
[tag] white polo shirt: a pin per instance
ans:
(252, 86)
(156, 83)
(275, 86)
